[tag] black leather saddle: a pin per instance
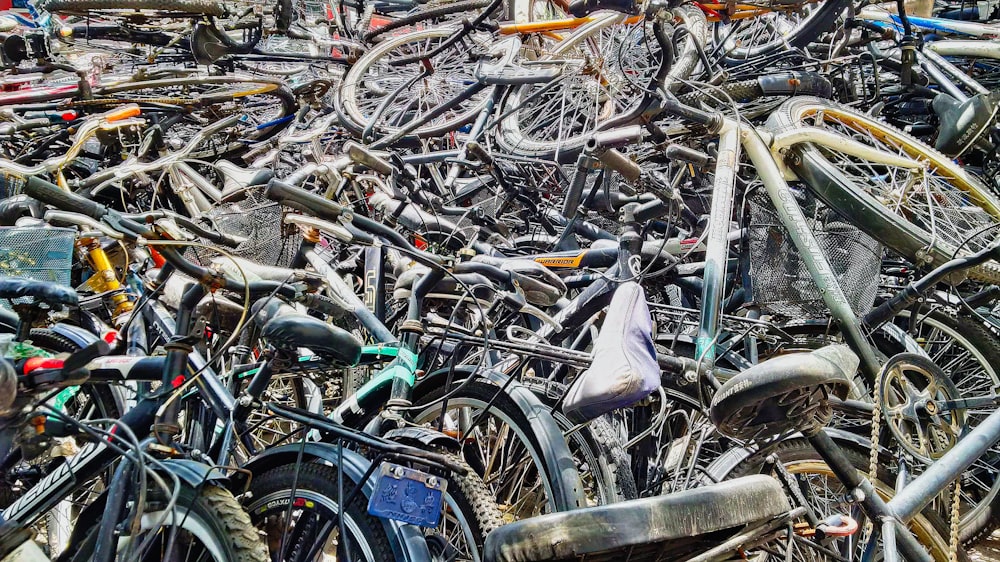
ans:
(286, 328)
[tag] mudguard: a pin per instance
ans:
(407, 541)
(77, 335)
(563, 476)
(192, 472)
(723, 466)
(423, 435)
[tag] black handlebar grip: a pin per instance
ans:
(51, 194)
(303, 200)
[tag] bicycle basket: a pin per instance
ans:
(781, 283)
(259, 221)
(40, 253)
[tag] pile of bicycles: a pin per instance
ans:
(499, 280)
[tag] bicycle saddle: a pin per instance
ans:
(962, 122)
(670, 527)
(624, 369)
(287, 328)
(482, 288)
(541, 287)
(787, 393)
(42, 291)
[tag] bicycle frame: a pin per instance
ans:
(943, 25)
(911, 499)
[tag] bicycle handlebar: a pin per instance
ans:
(52, 195)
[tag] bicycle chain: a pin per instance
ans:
(956, 503)
(956, 500)
(876, 428)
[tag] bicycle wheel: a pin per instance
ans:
(180, 7)
(927, 214)
(616, 61)
(310, 531)
(970, 355)
(514, 450)
(431, 16)
(264, 107)
(826, 495)
(375, 92)
(205, 524)
(603, 463)
(782, 28)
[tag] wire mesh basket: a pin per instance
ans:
(258, 221)
(40, 253)
(781, 283)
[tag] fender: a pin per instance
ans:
(407, 541)
(900, 336)
(77, 335)
(563, 476)
(722, 467)
(192, 472)
(425, 436)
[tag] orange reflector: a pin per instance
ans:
(130, 110)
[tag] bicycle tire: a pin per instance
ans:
(801, 35)
(271, 493)
(239, 92)
(532, 132)
(356, 103)
(551, 460)
(827, 179)
(468, 498)
(194, 7)
(209, 513)
(423, 15)
(604, 463)
(799, 457)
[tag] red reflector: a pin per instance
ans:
(111, 336)
(420, 243)
(69, 115)
(157, 258)
(299, 502)
(42, 363)
(178, 380)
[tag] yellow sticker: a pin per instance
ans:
(565, 261)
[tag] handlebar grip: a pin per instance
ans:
(622, 164)
(51, 194)
(303, 200)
